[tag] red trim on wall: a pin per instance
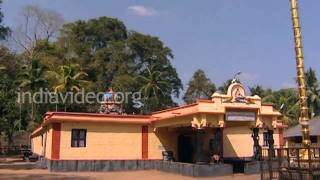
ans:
(56, 136)
(281, 138)
(144, 142)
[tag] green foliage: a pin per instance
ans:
(10, 121)
(100, 53)
(113, 56)
(87, 39)
(68, 78)
(153, 83)
(153, 88)
(224, 88)
(260, 91)
(284, 100)
(31, 78)
(148, 51)
(4, 31)
(199, 87)
(311, 78)
(8, 114)
(288, 99)
(313, 92)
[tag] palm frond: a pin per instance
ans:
(25, 83)
(80, 75)
(60, 88)
(142, 78)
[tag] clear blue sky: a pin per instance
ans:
(218, 36)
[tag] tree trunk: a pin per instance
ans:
(32, 107)
(32, 111)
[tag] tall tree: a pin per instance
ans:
(9, 115)
(153, 88)
(153, 83)
(107, 52)
(36, 25)
(199, 87)
(313, 91)
(11, 119)
(149, 51)
(4, 30)
(94, 42)
(32, 78)
(314, 100)
(311, 78)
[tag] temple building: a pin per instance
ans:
(228, 127)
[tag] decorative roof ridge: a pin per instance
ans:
(97, 114)
(175, 108)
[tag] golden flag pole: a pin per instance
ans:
(304, 115)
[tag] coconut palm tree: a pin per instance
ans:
(32, 78)
(313, 92)
(314, 99)
(287, 101)
(69, 78)
(311, 78)
(153, 83)
(153, 86)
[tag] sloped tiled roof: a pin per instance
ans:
(314, 125)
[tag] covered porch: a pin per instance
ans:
(190, 145)
(207, 138)
(191, 139)
(204, 138)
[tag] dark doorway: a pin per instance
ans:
(238, 167)
(237, 164)
(185, 148)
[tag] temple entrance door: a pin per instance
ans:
(185, 148)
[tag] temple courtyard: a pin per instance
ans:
(150, 174)
(15, 168)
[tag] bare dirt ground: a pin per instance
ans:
(132, 175)
(13, 169)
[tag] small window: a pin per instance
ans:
(78, 138)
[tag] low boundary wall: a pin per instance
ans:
(185, 169)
